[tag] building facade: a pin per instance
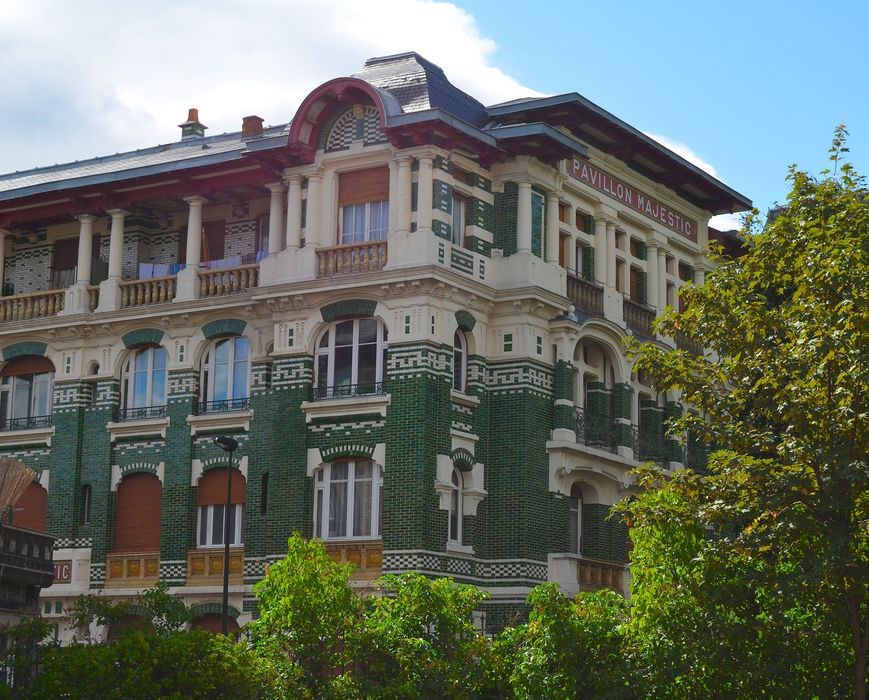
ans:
(406, 306)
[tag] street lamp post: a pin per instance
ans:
(228, 445)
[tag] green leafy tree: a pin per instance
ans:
(768, 554)
(568, 648)
(27, 642)
(309, 615)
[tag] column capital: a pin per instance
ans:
(550, 196)
(290, 178)
(196, 200)
(86, 218)
(115, 213)
(276, 187)
(403, 159)
(5, 232)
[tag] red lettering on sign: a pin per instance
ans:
(63, 571)
(650, 207)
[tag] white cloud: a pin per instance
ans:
(726, 222)
(86, 79)
(685, 151)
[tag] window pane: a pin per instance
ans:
(239, 380)
(338, 509)
(221, 352)
(353, 224)
(221, 383)
(318, 514)
(217, 525)
(367, 330)
(363, 470)
(362, 508)
(141, 362)
(454, 515)
(379, 213)
(343, 366)
(242, 349)
(42, 395)
(159, 358)
(367, 368)
(203, 526)
(158, 388)
(344, 333)
(323, 371)
(21, 396)
(339, 471)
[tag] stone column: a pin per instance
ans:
(600, 252)
(523, 218)
(662, 279)
(294, 211)
(85, 248)
(571, 261)
(425, 183)
(313, 234)
(116, 244)
(194, 231)
(402, 224)
(652, 276)
(552, 228)
(3, 234)
(611, 253)
(276, 213)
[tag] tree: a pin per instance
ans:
(769, 553)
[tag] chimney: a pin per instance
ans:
(251, 126)
(192, 128)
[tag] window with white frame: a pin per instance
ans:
(455, 512)
(458, 221)
(351, 359)
(226, 375)
(575, 522)
(143, 380)
(211, 524)
(348, 497)
(460, 361)
(25, 397)
(363, 205)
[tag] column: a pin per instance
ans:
(194, 231)
(425, 183)
(699, 276)
(3, 234)
(523, 218)
(662, 279)
(276, 213)
(85, 248)
(611, 253)
(116, 244)
(294, 211)
(312, 211)
(552, 228)
(600, 255)
(402, 224)
(571, 261)
(652, 276)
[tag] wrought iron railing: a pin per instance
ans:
(648, 446)
(224, 405)
(343, 391)
(25, 423)
(595, 431)
(142, 412)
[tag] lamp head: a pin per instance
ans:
(226, 443)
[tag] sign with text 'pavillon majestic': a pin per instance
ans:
(649, 207)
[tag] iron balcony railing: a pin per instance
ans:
(25, 423)
(595, 431)
(648, 446)
(142, 412)
(344, 391)
(224, 405)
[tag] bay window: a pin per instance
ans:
(347, 500)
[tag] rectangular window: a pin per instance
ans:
(458, 222)
(211, 525)
(508, 342)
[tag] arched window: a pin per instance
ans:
(226, 375)
(138, 513)
(460, 361)
(351, 359)
(211, 499)
(143, 384)
(575, 522)
(26, 385)
(455, 513)
(347, 500)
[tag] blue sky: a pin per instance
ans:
(745, 88)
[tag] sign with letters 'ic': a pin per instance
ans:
(63, 571)
(649, 207)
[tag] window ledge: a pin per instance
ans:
(28, 436)
(456, 548)
(220, 420)
(146, 426)
(336, 408)
(464, 399)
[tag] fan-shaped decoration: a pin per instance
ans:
(14, 480)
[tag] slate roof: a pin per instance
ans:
(418, 84)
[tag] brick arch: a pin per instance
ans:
(463, 459)
(142, 336)
(200, 609)
(347, 451)
(138, 513)
(31, 509)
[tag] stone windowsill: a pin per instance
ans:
(220, 420)
(146, 426)
(28, 436)
(353, 405)
(464, 399)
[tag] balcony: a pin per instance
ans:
(649, 447)
(594, 431)
(367, 556)
(132, 570)
(228, 280)
(25, 423)
(352, 259)
(153, 290)
(639, 318)
(576, 573)
(587, 296)
(683, 342)
(31, 305)
(25, 567)
(142, 413)
(348, 391)
(224, 406)
(205, 566)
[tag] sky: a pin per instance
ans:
(742, 89)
